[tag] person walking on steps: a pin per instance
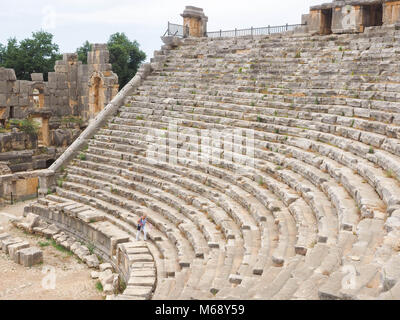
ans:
(142, 227)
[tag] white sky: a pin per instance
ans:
(74, 21)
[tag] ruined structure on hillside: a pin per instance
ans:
(351, 15)
(62, 107)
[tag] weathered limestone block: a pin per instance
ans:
(31, 221)
(390, 273)
(3, 237)
(8, 242)
(105, 266)
(92, 261)
(37, 76)
(30, 256)
(15, 248)
(82, 252)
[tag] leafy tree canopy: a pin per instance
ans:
(125, 56)
(32, 55)
(83, 51)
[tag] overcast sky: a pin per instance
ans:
(74, 21)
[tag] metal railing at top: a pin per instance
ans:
(177, 30)
(254, 31)
(183, 31)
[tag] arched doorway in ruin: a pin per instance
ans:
(42, 123)
(96, 94)
(38, 98)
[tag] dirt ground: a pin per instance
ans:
(72, 279)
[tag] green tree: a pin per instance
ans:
(125, 57)
(2, 49)
(83, 52)
(31, 55)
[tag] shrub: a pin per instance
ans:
(371, 150)
(99, 286)
(28, 126)
(91, 247)
(43, 244)
(82, 156)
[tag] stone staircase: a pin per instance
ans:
(315, 216)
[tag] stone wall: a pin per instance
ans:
(62, 106)
(21, 186)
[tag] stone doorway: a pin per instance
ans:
(11, 113)
(96, 95)
(38, 98)
(373, 15)
(326, 21)
(43, 133)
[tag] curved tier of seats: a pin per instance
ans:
(316, 207)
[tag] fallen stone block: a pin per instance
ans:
(8, 242)
(14, 250)
(51, 231)
(82, 252)
(108, 289)
(30, 256)
(106, 276)
(31, 221)
(105, 266)
(391, 273)
(3, 236)
(75, 246)
(92, 261)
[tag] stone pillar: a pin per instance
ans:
(319, 21)
(195, 19)
(47, 182)
(391, 12)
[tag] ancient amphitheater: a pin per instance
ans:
(298, 197)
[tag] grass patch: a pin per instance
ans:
(61, 248)
(91, 247)
(389, 173)
(99, 286)
(82, 156)
(43, 244)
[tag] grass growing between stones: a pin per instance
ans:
(43, 244)
(121, 286)
(99, 286)
(61, 248)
